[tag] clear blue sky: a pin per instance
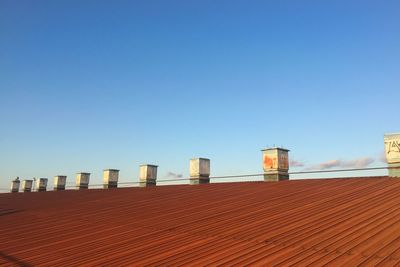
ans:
(88, 85)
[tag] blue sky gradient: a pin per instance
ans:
(89, 85)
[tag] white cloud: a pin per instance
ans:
(173, 175)
(296, 163)
(338, 163)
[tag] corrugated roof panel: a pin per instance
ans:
(304, 222)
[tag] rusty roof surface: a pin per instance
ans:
(304, 222)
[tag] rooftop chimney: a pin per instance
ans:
(41, 184)
(110, 178)
(275, 164)
(199, 171)
(59, 182)
(148, 175)
(392, 152)
(15, 185)
(27, 185)
(82, 180)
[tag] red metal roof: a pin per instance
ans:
(304, 222)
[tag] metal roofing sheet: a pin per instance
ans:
(303, 222)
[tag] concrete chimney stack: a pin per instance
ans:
(41, 184)
(392, 152)
(276, 164)
(59, 182)
(110, 178)
(199, 171)
(148, 175)
(82, 180)
(15, 185)
(27, 185)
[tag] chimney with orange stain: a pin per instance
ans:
(275, 164)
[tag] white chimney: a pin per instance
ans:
(110, 178)
(41, 184)
(199, 171)
(82, 180)
(392, 152)
(148, 175)
(27, 185)
(15, 186)
(59, 182)
(275, 164)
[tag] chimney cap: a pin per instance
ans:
(200, 158)
(391, 134)
(274, 148)
(83, 173)
(151, 165)
(114, 170)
